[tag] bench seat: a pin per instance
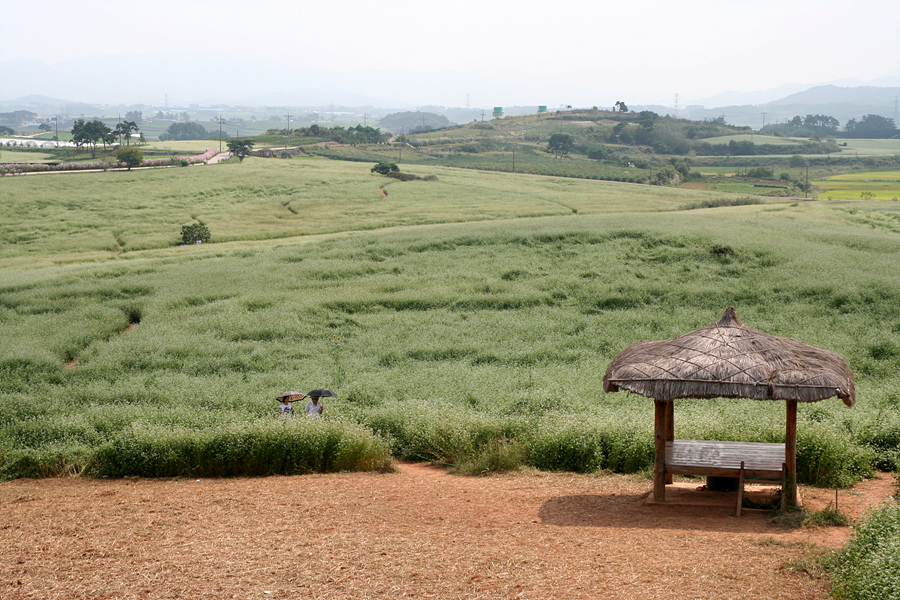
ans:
(762, 461)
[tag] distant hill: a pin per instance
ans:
(842, 103)
(832, 94)
(32, 100)
(165, 81)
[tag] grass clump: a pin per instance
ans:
(800, 517)
(495, 456)
(285, 447)
(828, 458)
(869, 567)
(720, 202)
(565, 446)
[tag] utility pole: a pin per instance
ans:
(220, 132)
(288, 142)
(806, 190)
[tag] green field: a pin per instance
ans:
(88, 216)
(864, 147)
(184, 146)
(756, 139)
(872, 185)
(15, 156)
(467, 320)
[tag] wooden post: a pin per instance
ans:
(790, 454)
(740, 501)
(659, 470)
(670, 429)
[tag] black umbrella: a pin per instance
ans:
(322, 394)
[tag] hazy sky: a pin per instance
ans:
(580, 49)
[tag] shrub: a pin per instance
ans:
(718, 202)
(565, 446)
(442, 434)
(385, 168)
(403, 176)
(761, 173)
(495, 456)
(130, 156)
(45, 462)
(869, 567)
(195, 233)
(826, 457)
(286, 447)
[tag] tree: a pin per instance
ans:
(125, 129)
(131, 156)
(91, 133)
(241, 148)
(872, 126)
(413, 121)
(383, 168)
(560, 144)
(196, 233)
(4, 130)
(667, 175)
(620, 106)
(45, 127)
(822, 123)
(184, 131)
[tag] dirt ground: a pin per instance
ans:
(415, 533)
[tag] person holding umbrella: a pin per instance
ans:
(286, 409)
(313, 408)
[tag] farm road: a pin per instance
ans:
(416, 533)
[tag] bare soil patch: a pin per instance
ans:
(416, 533)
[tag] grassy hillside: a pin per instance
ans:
(467, 320)
(98, 215)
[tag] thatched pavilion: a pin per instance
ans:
(728, 360)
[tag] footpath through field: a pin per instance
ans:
(416, 533)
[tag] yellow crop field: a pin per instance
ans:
(870, 185)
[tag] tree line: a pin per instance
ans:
(91, 133)
(360, 134)
(868, 126)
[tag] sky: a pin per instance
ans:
(578, 52)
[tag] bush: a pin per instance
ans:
(496, 456)
(761, 173)
(286, 447)
(828, 458)
(442, 434)
(385, 168)
(39, 463)
(403, 176)
(869, 567)
(719, 202)
(195, 234)
(565, 447)
(130, 156)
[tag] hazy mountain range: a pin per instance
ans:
(176, 81)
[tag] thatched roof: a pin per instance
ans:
(730, 360)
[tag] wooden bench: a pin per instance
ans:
(746, 461)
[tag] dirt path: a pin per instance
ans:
(416, 533)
